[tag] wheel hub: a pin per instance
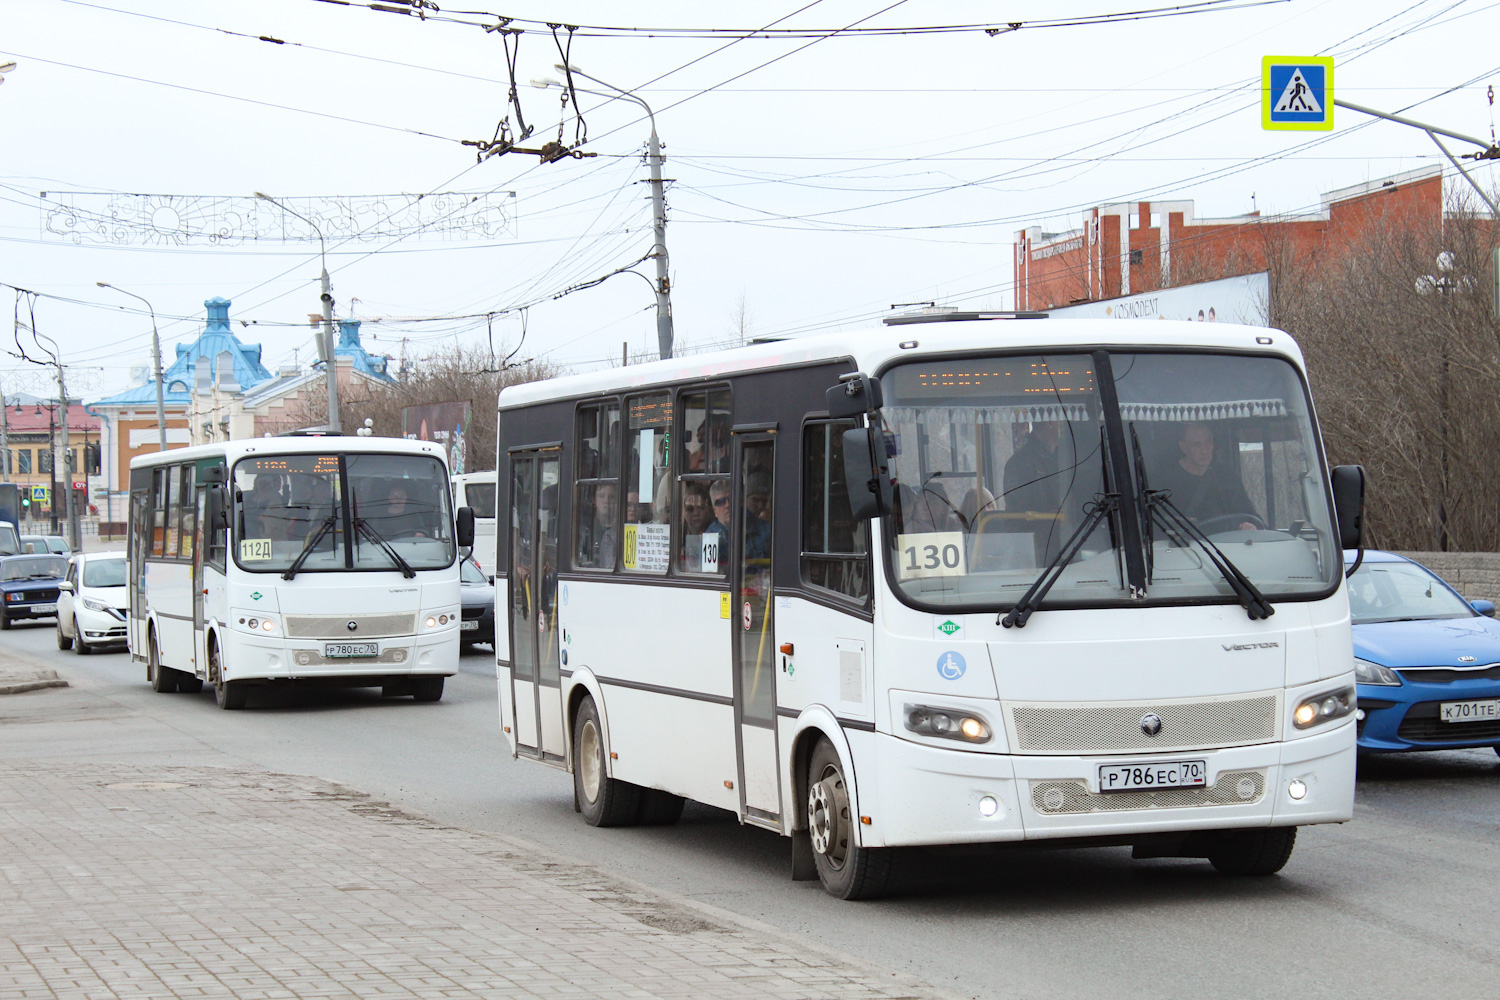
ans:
(828, 816)
(590, 767)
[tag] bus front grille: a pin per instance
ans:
(337, 626)
(1059, 797)
(1118, 727)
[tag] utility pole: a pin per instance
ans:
(326, 342)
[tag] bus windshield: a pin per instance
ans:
(1000, 462)
(314, 512)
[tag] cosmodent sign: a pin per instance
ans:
(1243, 299)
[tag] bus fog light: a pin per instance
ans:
(988, 806)
(304, 658)
(1297, 789)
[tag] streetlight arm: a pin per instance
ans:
(161, 408)
(618, 91)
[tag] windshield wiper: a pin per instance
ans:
(1159, 504)
(1142, 492)
(1104, 505)
(361, 525)
(312, 543)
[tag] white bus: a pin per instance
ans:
(1087, 588)
(476, 490)
(276, 560)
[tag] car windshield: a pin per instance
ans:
(104, 573)
(1401, 591)
(1000, 461)
(342, 511)
(470, 573)
(39, 567)
(57, 543)
(34, 543)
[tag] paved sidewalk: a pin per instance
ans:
(18, 675)
(128, 881)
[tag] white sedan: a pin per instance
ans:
(91, 604)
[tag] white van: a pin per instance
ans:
(477, 490)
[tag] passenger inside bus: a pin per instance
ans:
(700, 526)
(758, 516)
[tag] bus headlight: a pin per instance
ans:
(440, 619)
(950, 724)
(265, 624)
(1323, 708)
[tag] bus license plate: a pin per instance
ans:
(337, 650)
(43, 609)
(1160, 774)
(468, 626)
(1469, 711)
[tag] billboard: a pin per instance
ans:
(1242, 299)
(446, 424)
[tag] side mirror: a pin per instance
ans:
(1349, 504)
(213, 475)
(869, 489)
(1486, 608)
(67, 588)
(217, 509)
(856, 393)
(466, 527)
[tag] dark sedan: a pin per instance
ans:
(478, 623)
(28, 587)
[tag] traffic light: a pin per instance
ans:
(25, 500)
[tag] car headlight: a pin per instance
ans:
(966, 727)
(1325, 707)
(1373, 673)
(94, 605)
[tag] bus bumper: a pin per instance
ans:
(295, 659)
(931, 795)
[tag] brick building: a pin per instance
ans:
(1134, 247)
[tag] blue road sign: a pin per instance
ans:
(1297, 93)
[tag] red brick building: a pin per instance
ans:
(1134, 247)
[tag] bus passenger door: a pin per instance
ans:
(200, 652)
(536, 694)
(139, 535)
(754, 629)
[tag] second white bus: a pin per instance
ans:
(295, 560)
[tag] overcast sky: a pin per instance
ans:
(816, 179)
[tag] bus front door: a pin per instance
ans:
(536, 692)
(755, 631)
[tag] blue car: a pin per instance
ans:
(28, 586)
(1427, 662)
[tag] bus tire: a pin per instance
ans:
(604, 801)
(163, 679)
(426, 688)
(228, 695)
(1253, 852)
(188, 684)
(847, 870)
(63, 642)
(659, 808)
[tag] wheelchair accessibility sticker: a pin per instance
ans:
(951, 666)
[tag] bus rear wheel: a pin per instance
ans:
(1253, 852)
(604, 801)
(228, 695)
(163, 679)
(847, 870)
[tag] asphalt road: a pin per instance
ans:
(1400, 902)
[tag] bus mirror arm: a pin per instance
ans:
(465, 533)
(856, 393)
(869, 485)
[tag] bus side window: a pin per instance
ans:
(703, 482)
(646, 543)
(835, 548)
(158, 511)
(595, 535)
(187, 524)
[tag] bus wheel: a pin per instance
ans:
(229, 695)
(846, 870)
(1253, 852)
(604, 801)
(426, 688)
(163, 679)
(659, 808)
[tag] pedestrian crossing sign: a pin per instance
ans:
(1296, 93)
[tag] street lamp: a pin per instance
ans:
(330, 365)
(658, 204)
(161, 409)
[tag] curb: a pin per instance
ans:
(16, 687)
